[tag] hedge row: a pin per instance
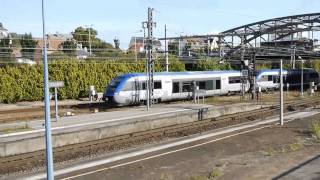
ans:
(25, 83)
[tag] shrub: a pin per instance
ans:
(25, 83)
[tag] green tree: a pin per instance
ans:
(28, 46)
(81, 35)
(69, 47)
(173, 48)
(6, 50)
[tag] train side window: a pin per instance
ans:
(264, 78)
(234, 80)
(270, 78)
(201, 84)
(157, 85)
(175, 87)
(186, 87)
(143, 86)
(209, 85)
(218, 84)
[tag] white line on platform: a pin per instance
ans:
(91, 123)
(291, 116)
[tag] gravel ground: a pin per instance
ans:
(265, 154)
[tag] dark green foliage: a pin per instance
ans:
(6, 50)
(211, 64)
(316, 65)
(28, 46)
(25, 83)
(69, 47)
(81, 35)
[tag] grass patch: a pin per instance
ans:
(270, 151)
(198, 178)
(315, 129)
(165, 177)
(213, 174)
(295, 146)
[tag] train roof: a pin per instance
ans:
(271, 70)
(129, 75)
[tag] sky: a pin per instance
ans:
(122, 18)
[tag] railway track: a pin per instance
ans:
(37, 159)
(29, 114)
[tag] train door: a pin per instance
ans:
(157, 90)
(136, 91)
(187, 89)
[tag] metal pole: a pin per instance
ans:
(135, 48)
(90, 40)
(56, 103)
(150, 60)
(301, 90)
(179, 47)
(281, 94)
(147, 84)
(49, 154)
(166, 48)
(294, 58)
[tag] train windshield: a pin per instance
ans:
(114, 84)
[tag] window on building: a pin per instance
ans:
(175, 87)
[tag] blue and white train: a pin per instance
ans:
(130, 88)
(269, 79)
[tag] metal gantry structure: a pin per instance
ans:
(150, 24)
(231, 42)
(243, 43)
(268, 30)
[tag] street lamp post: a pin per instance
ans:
(49, 154)
(301, 86)
(281, 94)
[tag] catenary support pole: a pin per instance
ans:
(56, 103)
(301, 89)
(281, 94)
(49, 154)
(166, 48)
(90, 40)
(135, 48)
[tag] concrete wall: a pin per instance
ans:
(35, 141)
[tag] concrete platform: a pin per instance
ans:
(83, 128)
